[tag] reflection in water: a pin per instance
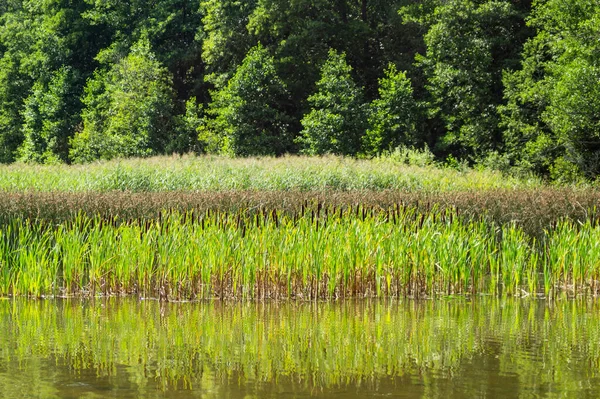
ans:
(444, 348)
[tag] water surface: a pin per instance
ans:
(447, 348)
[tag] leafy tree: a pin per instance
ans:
(128, 109)
(169, 25)
(528, 140)
(572, 113)
(12, 87)
(39, 40)
(469, 43)
(551, 118)
(47, 122)
(392, 116)
(250, 108)
(300, 33)
(188, 125)
(337, 120)
(224, 36)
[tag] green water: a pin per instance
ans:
(454, 348)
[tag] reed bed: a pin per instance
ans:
(533, 210)
(210, 173)
(327, 252)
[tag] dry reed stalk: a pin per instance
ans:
(533, 209)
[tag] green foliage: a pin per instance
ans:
(468, 44)
(551, 113)
(170, 26)
(11, 98)
(410, 156)
(186, 139)
(39, 42)
(392, 116)
(300, 33)
(337, 121)
(47, 123)
(224, 37)
(572, 113)
(78, 80)
(527, 139)
(128, 109)
(250, 108)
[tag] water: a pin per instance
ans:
(447, 348)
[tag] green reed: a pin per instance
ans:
(323, 252)
(572, 259)
(210, 173)
(532, 210)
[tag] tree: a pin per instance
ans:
(299, 33)
(250, 108)
(39, 40)
(225, 38)
(337, 120)
(188, 125)
(170, 26)
(47, 122)
(392, 116)
(469, 43)
(128, 109)
(551, 117)
(12, 87)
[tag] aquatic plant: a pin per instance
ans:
(319, 252)
(533, 210)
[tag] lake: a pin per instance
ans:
(452, 347)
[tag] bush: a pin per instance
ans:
(411, 156)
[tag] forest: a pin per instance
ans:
(509, 85)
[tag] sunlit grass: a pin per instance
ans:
(317, 253)
(209, 173)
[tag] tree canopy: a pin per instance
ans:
(471, 79)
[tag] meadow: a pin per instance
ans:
(278, 228)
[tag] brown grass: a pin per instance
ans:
(532, 209)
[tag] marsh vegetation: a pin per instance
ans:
(291, 228)
(323, 252)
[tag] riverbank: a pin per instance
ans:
(483, 234)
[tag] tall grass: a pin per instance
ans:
(323, 252)
(264, 174)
